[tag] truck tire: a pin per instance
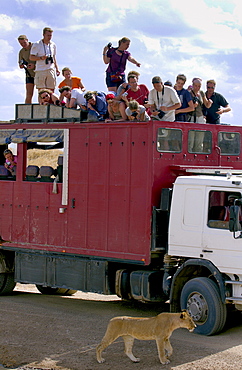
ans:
(201, 298)
(7, 283)
(48, 290)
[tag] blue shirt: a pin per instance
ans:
(101, 105)
(185, 97)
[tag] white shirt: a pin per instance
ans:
(167, 99)
(141, 110)
(40, 49)
(79, 96)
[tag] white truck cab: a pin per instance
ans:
(199, 229)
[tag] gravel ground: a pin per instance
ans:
(61, 333)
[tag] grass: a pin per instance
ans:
(40, 157)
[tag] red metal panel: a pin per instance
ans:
(110, 190)
(57, 222)
(21, 215)
(7, 189)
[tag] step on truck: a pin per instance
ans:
(149, 211)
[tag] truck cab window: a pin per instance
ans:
(199, 141)
(229, 143)
(169, 140)
(218, 210)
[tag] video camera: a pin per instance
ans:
(23, 62)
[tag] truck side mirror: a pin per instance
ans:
(234, 218)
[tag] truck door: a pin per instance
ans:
(185, 233)
(219, 246)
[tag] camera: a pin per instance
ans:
(109, 45)
(161, 114)
(23, 62)
(134, 114)
(195, 99)
(49, 59)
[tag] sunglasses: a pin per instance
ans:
(210, 87)
(46, 96)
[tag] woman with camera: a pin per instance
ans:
(136, 112)
(10, 161)
(200, 102)
(116, 58)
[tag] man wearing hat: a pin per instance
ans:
(28, 65)
(163, 101)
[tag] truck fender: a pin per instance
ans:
(186, 272)
(6, 262)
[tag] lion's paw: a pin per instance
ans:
(165, 362)
(101, 360)
(137, 359)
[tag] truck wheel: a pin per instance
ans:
(54, 291)
(7, 283)
(201, 298)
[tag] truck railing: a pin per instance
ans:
(30, 113)
(209, 170)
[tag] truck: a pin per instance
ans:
(149, 211)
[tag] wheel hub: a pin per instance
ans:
(197, 307)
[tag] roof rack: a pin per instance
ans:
(30, 113)
(206, 170)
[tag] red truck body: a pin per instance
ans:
(115, 177)
(101, 223)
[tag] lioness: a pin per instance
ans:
(159, 328)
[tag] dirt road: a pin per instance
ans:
(51, 332)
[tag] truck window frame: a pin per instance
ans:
(234, 144)
(171, 143)
(205, 137)
(218, 201)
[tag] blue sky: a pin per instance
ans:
(201, 38)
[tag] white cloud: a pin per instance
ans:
(6, 23)
(152, 44)
(78, 13)
(217, 27)
(8, 49)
